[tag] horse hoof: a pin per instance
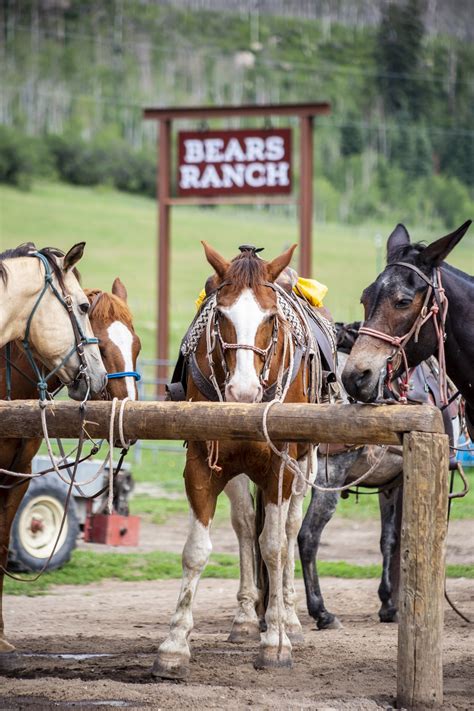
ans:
(295, 635)
(244, 632)
(269, 658)
(331, 623)
(5, 646)
(388, 615)
(168, 666)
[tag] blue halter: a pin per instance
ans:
(125, 374)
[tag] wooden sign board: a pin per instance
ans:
(234, 162)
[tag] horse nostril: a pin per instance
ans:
(363, 377)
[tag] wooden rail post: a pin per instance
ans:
(421, 603)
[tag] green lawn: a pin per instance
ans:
(120, 231)
(87, 567)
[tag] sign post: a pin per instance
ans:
(239, 167)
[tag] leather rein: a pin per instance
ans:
(437, 311)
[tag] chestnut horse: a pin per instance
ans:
(417, 307)
(238, 346)
(111, 322)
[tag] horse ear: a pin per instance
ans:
(276, 266)
(73, 256)
(398, 238)
(436, 252)
(216, 260)
(118, 288)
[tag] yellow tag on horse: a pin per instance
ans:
(200, 299)
(310, 289)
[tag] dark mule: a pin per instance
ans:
(339, 465)
(237, 347)
(111, 322)
(417, 307)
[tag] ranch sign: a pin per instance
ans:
(234, 162)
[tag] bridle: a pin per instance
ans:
(117, 374)
(289, 312)
(266, 354)
(438, 312)
(80, 339)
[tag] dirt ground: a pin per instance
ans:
(118, 626)
(93, 646)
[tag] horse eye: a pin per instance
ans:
(84, 307)
(403, 303)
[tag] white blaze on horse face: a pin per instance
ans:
(246, 315)
(123, 339)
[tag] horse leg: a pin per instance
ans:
(320, 511)
(293, 524)
(10, 500)
(172, 661)
(246, 624)
(275, 646)
(390, 512)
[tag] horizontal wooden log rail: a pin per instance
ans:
(355, 424)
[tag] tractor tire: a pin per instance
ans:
(36, 527)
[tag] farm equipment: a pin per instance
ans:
(38, 520)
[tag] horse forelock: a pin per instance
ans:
(246, 271)
(393, 278)
(108, 307)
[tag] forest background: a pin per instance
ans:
(399, 143)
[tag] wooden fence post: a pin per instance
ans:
(421, 602)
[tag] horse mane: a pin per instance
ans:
(26, 250)
(109, 307)
(246, 270)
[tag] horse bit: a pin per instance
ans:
(438, 311)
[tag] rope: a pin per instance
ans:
(63, 520)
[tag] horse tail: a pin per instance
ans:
(261, 573)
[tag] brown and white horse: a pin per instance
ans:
(240, 349)
(111, 322)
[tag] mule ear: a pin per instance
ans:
(436, 252)
(216, 260)
(118, 289)
(73, 256)
(398, 238)
(276, 266)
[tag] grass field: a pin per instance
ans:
(120, 231)
(86, 567)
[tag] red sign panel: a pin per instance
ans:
(240, 162)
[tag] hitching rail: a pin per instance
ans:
(425, 497)
(357, 424)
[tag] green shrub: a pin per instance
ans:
(18, 159)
